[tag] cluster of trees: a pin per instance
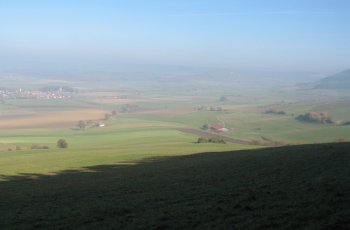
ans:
(316, 117)
(82, 124)
(273, 111)
(210, 140)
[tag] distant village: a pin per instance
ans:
(20, 93)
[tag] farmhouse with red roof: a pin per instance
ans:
(218, 128)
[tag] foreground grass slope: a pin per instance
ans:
(296, 187)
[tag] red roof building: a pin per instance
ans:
(216, 127)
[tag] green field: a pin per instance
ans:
(123, 140)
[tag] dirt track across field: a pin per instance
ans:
(204, 134)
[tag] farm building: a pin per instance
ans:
(218, 128)
(99, 124)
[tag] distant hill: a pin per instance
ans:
(294, 187)
(337, 81)
(165, 74)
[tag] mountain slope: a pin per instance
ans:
(337, 81)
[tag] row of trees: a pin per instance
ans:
(61, 143)
(210, 140)
(273, 111)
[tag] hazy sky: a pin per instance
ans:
(291, 35)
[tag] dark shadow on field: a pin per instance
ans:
(293, 187)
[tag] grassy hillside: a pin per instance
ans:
(296, 187)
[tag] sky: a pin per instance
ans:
(281, 35)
